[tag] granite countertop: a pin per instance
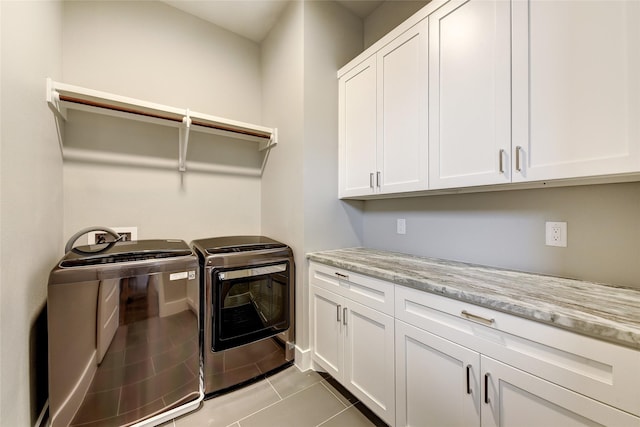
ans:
(606, 312)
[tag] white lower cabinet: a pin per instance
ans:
(369, 358)
(514, 398)
(419, 359)
(437, 381)
(441, 383)
(326, 334)
(458, 364)
(354, 344)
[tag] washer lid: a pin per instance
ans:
(140, 250)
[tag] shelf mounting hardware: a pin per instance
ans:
(183, 142)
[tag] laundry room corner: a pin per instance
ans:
(30, 201)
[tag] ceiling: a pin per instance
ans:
(254, 18)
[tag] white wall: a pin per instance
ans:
(30, 199)
(332, 37)
(299, 191)
(151, 51)
(387, 16)
(282, 181)
(506, 229)
(282, 186)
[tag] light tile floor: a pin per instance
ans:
(287, 399)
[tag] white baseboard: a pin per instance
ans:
(303, 359)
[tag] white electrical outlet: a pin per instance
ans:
(401, 226)
(128, 233)
(556, 234)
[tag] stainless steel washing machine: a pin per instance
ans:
(123, 323)
(247, 284)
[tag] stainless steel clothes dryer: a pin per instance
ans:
(248, 316)
(123, 334)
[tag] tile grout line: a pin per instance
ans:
(333, 416)
(274, 389)
(324, 384)
(274, 403)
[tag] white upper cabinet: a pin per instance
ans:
(469, 94)
(402, 112)
(576, 88)
(383, 119)
(474, 93)
(357, 123)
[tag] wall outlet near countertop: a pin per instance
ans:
(556, 234)
(401, 226)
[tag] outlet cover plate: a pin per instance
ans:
(401, 226)
(130, 233)
(556, 234)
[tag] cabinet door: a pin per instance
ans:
(326, 339)
(469, 93)
(437, 381)
(369, 359)
(403, 112)
(576, 88)
(516, 398)
(357, 124)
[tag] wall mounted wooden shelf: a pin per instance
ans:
(61, 97)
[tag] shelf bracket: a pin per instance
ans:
(183, 142)
(268, 144)
(53, 100)
(59, 112)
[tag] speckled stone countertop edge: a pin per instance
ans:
(625, 331)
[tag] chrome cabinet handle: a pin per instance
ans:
(468, 379)
(338, 307)
(518, 150)
(486, 388)
(344, 316)
(371, 180)
(477, 318)
(378, 175)
(501, 167)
